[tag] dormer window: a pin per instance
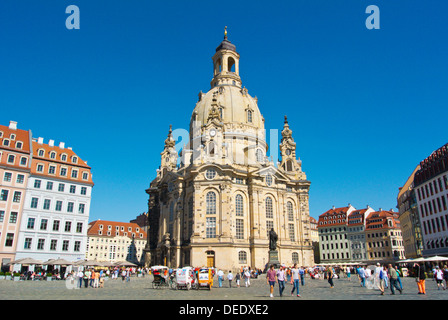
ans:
(53, 155)
(64, 157)
(12, 136)
(6, 143)
(19, 145)
(41, 153)
(75, 159)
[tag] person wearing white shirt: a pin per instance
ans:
(230, 278)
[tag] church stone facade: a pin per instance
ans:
(214, 202)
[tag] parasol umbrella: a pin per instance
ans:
(59, 262)
(125, 264)
(436, 258)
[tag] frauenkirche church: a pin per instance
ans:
(215, 202)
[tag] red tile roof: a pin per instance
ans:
(95, 228)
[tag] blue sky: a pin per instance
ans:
(365, 106)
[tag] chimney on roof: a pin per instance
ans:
(349, 205)
(69, 148)
(368, 207)
(40, 140)
(334, 207)
(62, 145)
(381, 209)
(51, 143)
(13, 125)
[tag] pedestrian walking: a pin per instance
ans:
(271, 278)
(362, 276)
(80, 277)
(230, 278)
(123, 275)
(295, 280)
(348, 272)
(302, 275)
(220, 277)
(330, 276)
(394, 280)
(439, 278)
(86, 278)
(247, 278)
(385, 278)
(237, 279)
(445, 275)
(281, 277)
(420, 277)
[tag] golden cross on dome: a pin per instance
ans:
(225, 32)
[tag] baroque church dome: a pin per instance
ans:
(227, 96)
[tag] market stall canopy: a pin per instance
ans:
(26, 261)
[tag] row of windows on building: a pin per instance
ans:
(429, 207)
(210, 225)
(31, 224)
(53, 155)
(62, 171)
(28, 245)
(435, 225)
(61, 187)
(11, 159)
(431, 188)
(8, 178)
(58, 205)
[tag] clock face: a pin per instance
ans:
(212, 132)
(288, 152)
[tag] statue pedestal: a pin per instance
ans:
(273, 259)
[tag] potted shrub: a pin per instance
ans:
(2, 275)
(49, 276)
(8, 275)
(16, 276)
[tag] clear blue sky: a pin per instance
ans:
(365, 106)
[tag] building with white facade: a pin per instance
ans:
(56, 206)
(431, 185)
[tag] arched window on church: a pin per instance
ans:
(211, 149)
(269, 208)
(210, 200)
(171, 211)
(171, 223)
(295, 257)
(288, 165)
(239, 205)
(259, 155)
(242, 257)
(249, 116)
(190, 208)
(290, 211)
(269, 215)
(231, 64)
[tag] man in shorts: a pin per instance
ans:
(271, 277)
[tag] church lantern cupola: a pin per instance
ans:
(226, 64)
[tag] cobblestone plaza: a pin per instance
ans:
(141, 289)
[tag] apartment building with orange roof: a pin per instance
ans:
(356, 224)
(114, 241)
(56, 205)
(15, 163)
(333, 242)
(384, 237)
